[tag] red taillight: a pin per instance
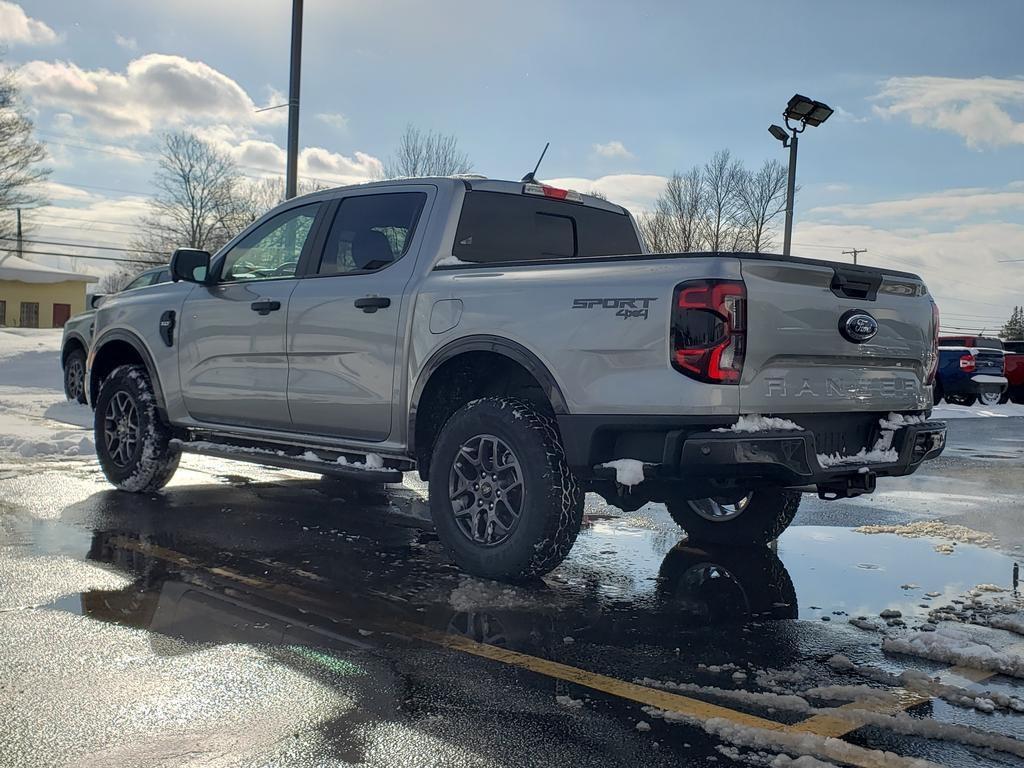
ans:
(933, 364)
(967, 363)
(709, 328)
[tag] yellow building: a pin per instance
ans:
(37, 296)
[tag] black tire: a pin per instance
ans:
(965, 400)
(1005, 397)
(937, 393)
(125, 407)
(547, 495)
(766, 514)
(719, 585)
(74, 376)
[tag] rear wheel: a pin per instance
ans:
(503, 499)
(132, 443)
(964, 400)
(990, 398)
(74, 376)
(937, 393)
(1004, 398)
(753, 518)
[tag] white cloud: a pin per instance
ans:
(333, 119)
(128, 43)
(837, 187)
(635, 191)
(263, 157)
(613, 149)
(18, 27)
(984, 111)
(960, 265)
(948, 205)
(155, 91)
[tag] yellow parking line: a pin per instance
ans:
(824, 725)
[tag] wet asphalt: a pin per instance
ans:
(253, 617)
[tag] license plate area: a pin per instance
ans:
(842, 434)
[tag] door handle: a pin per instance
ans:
(371, 304)
(265, 306)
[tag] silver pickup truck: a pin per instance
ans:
(516, 345)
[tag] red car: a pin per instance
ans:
(1014, 362)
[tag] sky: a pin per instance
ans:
(922, 163)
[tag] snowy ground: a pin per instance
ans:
(947, 411)
(35, 418)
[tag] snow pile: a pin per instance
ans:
(953, 645)
(896, 421)
(756, 423)
(882, 451)
(478, 594)
(35, 418)
(1012, 623)
(933, 529)
(449, 261)
(569, 702)
(628, 472)
(373, 462)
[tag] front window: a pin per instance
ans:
(370, 232)
(272, 250)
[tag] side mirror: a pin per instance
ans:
(96, 299)
(190, 264)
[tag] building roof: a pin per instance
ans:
(21, 270)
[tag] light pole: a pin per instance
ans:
(803, 112)
(292, 163)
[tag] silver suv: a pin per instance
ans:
(516, 345)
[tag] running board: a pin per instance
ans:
(271, 458)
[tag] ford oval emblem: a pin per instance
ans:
(858, 326)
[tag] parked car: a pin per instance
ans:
(516, 345)
(1014, 370)
(74, 346)
(971, 369)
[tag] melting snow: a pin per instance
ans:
(756, 423)
(954, 645)
(628, 472)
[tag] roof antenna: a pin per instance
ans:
(531, 177)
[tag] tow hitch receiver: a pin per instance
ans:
(847, 487)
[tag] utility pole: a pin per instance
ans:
(292, 166)
(853, 252)
(20, 245)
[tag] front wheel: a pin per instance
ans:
(132, 443)
(74, 376)
(751, 519)
(964, 400)
(990, 398)
(503, 499)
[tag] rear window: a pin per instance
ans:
(496, 227)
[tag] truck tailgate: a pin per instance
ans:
(798, 359)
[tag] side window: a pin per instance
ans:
(146, 278)
(271, 250)
(370, 232)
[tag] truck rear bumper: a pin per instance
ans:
(700, 460)
(792, 459)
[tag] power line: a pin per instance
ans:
(95, 258)
(84, 245)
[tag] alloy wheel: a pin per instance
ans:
(121, 428)
(718, 510)
(486, 490)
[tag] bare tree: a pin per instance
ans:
(763, 198)
(426, 154)
(254, 197)
(723, 178)
(195, 204)
(20, 156)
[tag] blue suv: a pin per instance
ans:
(970, 370)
